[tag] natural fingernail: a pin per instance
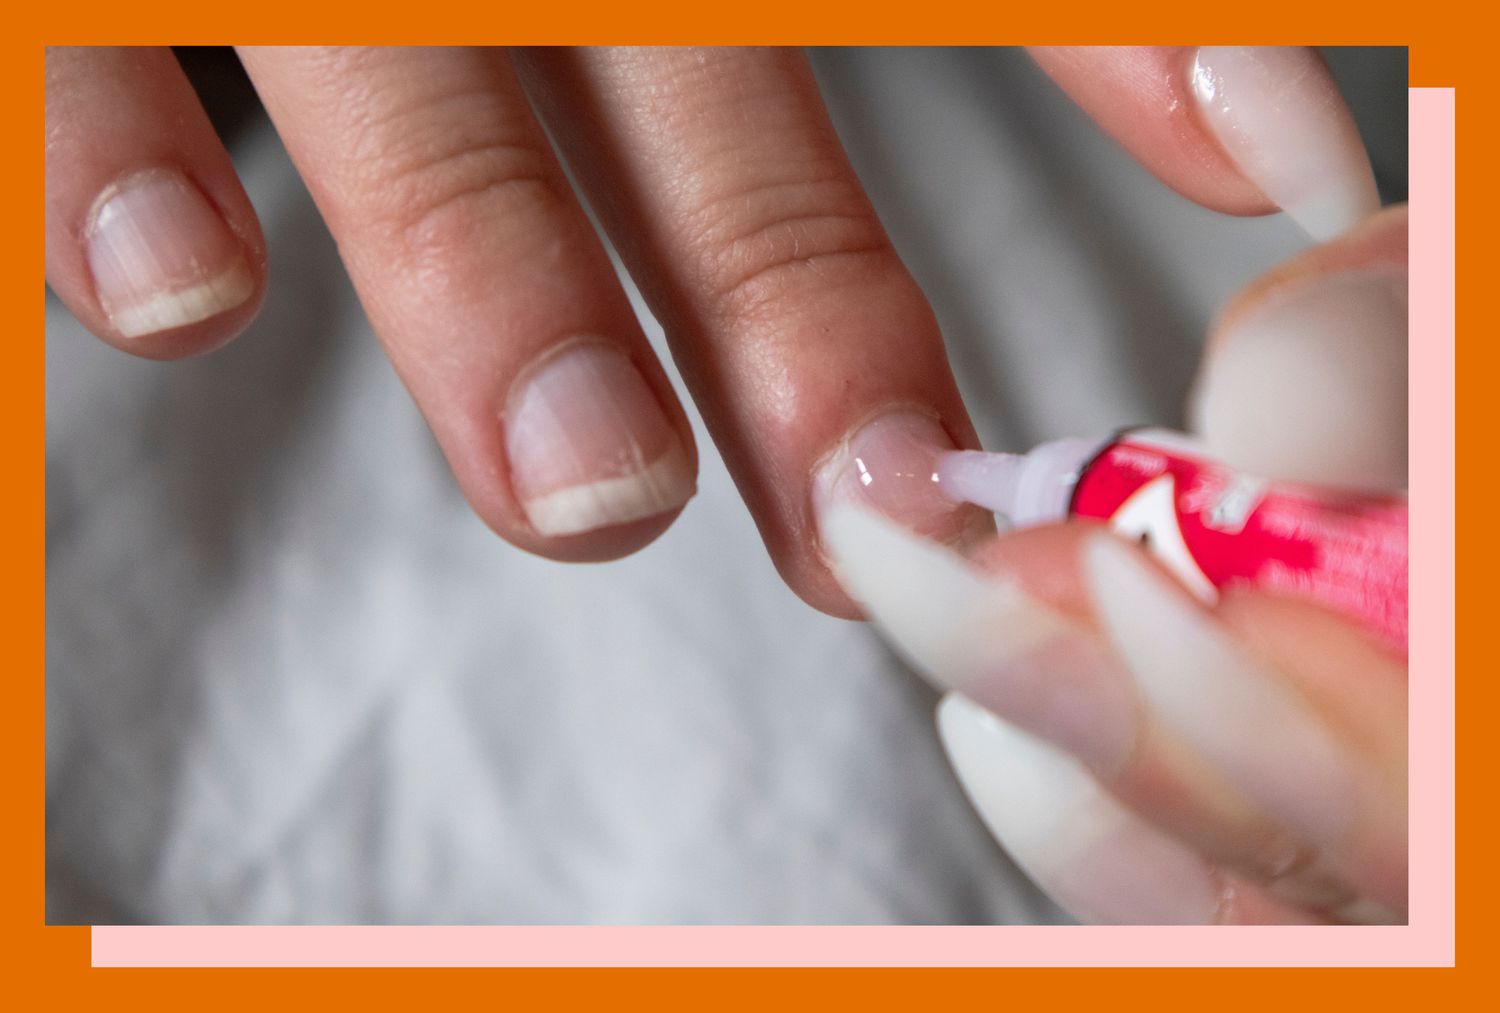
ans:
(1239, 715)
(589, 444)
(889, 464)
(1331, 355)
(986, 638)
(162, 256)
(1278, 114)
(1094, 857)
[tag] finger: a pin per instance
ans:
(1266, 729)
(1305, 374)
(815, 359)
(151, 241)
(1241, 129)
(1079, 640)
(489, 290)
(1095, 858)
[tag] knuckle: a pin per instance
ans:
(446, 174)
(461, 195)
(757, 247)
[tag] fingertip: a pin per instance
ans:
(196, 338)
(1142, 96)
(478, 461)
(151, 240)
(1244, 130)
(1377, 242)
(1277, 112)
(589, 444)
(886, 463)
(820, 590)
(601, 545)
(1324, 341)
(168, 271)
(585, 462)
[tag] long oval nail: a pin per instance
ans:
(1244, 721)
(161, 255)
(589, 445)
(1330, 354)
(986, 638)
(1095, 858)
(1278, 114)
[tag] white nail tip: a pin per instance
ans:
(949, 619)
(163, 311)
(1094, 857)
(1280, 118)
(1235, 711)
(660, 486)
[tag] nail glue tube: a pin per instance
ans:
(1209, 525)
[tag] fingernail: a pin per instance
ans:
(1095, 858)
(1278, 114)
(1330, 355)
(889, 464)
(161, 255)
(1237, 713)
(986, 638)
(589, 444)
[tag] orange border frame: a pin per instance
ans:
(52, 962)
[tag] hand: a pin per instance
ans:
(1144, 758)
(803, 339)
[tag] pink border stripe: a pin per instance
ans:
(1433, 527)
(1427, 941)
(732, 946)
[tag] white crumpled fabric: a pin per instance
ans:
(291, 678)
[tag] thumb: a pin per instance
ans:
(1305, 374)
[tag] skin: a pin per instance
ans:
(112, 111)
(716, 174)
(1140, 96)
(1356, 686)
(1376, 244)
(719, 179)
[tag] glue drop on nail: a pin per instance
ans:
(1209, 525)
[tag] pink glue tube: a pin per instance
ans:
(1209, 525)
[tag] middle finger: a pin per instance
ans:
(814, 358)
(490, 291)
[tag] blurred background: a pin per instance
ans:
(291, 678)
